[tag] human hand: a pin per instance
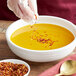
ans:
(24, 9)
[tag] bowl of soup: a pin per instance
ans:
(51, 38)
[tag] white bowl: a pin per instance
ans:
(42, 56)
(16, 61)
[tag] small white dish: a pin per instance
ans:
(45, 55)
(16, 61)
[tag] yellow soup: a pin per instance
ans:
(42, 37)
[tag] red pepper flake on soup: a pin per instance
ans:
(42, 38)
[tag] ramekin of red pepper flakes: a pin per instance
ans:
(10, 69)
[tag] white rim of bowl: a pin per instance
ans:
(17, 61)
(42, 50)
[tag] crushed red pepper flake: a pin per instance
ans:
(35, 16)
(10, 69)
(31, 26)
(42, 38)
(48, 41)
